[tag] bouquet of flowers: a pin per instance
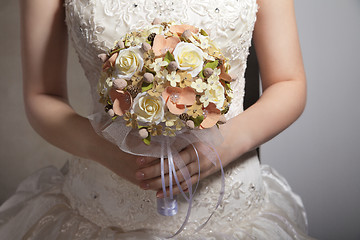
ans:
(165, 78)
(161, 82)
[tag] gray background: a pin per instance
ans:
(319, 154)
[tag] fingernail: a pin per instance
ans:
(140, 161)
(144, 186)
(139, 175)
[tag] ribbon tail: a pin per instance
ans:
(170, 164)
(166, 206)
(198, 161)
(162, 170)
(185, 172)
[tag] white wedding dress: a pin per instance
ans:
(87, 201)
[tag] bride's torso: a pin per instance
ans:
(103, 197)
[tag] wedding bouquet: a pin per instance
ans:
(164, 82)
(165, 78)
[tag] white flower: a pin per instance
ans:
(173, 78)
(199, 85)
(133, 41)
(161, 76)
(204, 42)
(214, 94)
(158, 64)
(128, 62)
(189, 58)
(208, 57)
(230, 93)
(149, 109)
(109, 82)
(205, 99)
(214, 78)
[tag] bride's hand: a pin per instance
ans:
(121, 163)
(149, 169)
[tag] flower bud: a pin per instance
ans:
(172, 66)
(119, 83)
(148, 77)
(190, 124)
(143, 133)
(145, 46)
(208, 72)
(111, 113)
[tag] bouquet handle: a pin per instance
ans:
(167, 206)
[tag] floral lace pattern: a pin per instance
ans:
(102, 196)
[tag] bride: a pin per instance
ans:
(106, 193)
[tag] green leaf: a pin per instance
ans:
(226, 84)
(198, 120)
(212, 65)
(201, 74)
(149, 42)
(169, 57)
(115, 51)
(202, 32)
(146, 86)
(147, 140)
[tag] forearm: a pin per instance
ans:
(54, 119)
(278, 107)
(44, 59)
(283, 80)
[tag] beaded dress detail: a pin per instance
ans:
(88, 201)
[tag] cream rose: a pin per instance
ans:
(149, 109)
(189, 58)
(129, 62)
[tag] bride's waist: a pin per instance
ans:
(107, 199)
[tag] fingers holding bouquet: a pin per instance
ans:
(192, 164)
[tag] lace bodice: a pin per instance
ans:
(108, 200)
